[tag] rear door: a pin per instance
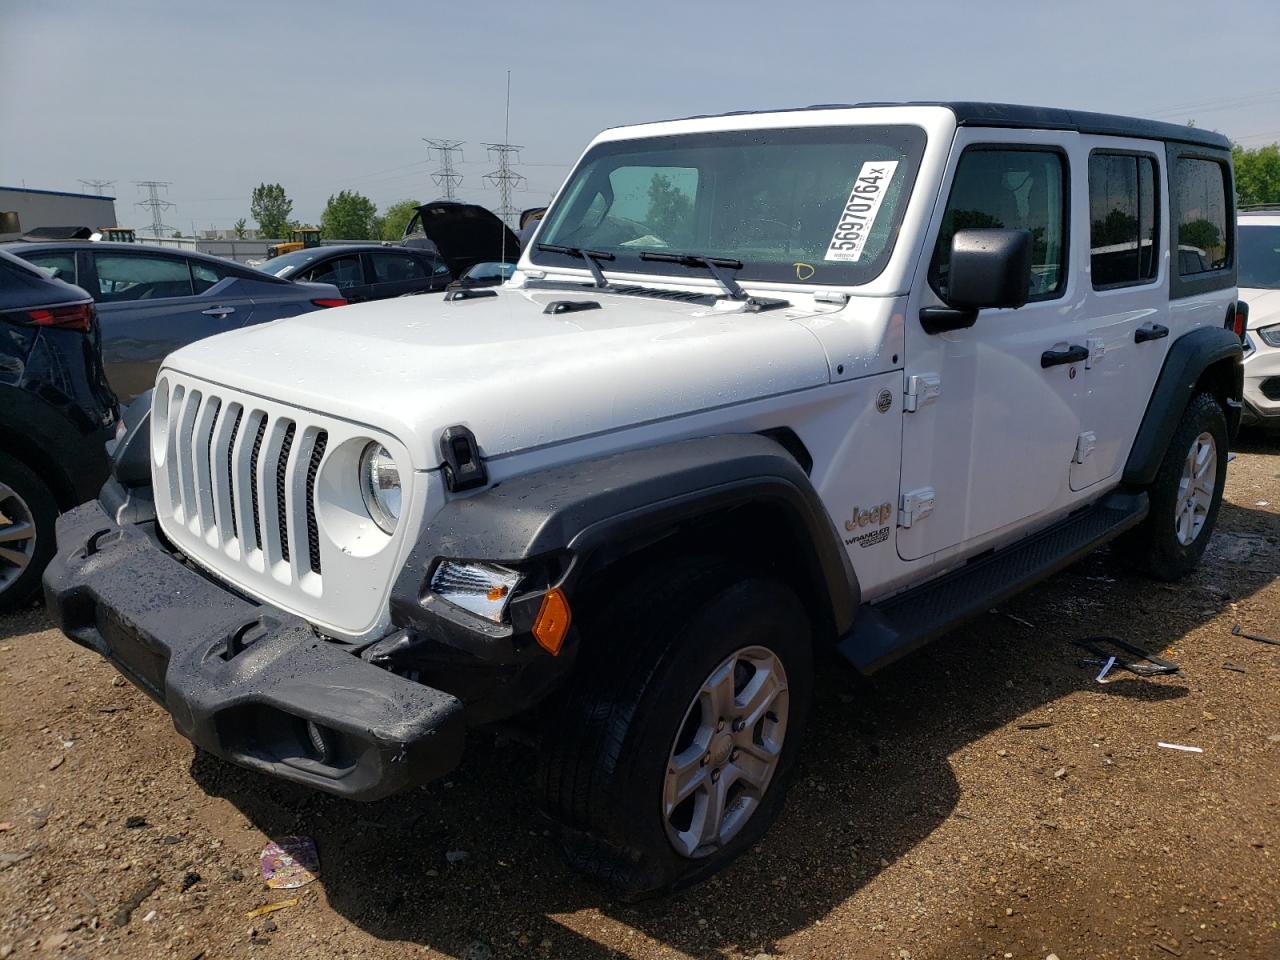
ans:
(148, 307)
(1126, 297)
(989, 443)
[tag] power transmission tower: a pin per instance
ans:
(504, 178)
(156, 204)
(97, 186)
(445, 177)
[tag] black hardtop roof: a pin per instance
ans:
(971, 113)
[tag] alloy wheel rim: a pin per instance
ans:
(1195, 489)
(17, 536)
(726, 752)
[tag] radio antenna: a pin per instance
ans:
(504, 178)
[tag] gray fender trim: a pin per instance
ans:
(1188, 357)
(580, 507)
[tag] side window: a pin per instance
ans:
(342, 272)
(439, 268)
(1017, 189)
(397, 267)
(133, 277)
(1123, 220)
(56, 263)
(204, 276)
(1200, 197)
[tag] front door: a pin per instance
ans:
(346, 272)
(996, 419)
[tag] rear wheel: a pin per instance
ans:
(1186, 494)
(27, 516)
(674, 748)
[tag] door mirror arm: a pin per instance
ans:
(942, 319)
(989, 268)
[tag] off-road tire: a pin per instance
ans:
(1153, 546)
(643, 659)
(39, 502)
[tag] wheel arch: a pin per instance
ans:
(1208, 359)
(738, 493)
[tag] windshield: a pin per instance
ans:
(1259, 257)
(290, 263)
(813, 204)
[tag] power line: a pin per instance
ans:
(155, 203)
(98, 186)
(445, 177)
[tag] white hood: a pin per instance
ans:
(1264, 306)
(518, 377)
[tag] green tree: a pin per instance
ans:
(271, 208)
(1118, 227)
(349, 216)
(395, 217)
(669, 207)
(1201, 234)
(240, 229)
(1257, 173)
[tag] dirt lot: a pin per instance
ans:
(984, 798)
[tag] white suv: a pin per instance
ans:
(765, 387)
(1258, 230)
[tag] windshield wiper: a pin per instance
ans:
(592, 258)
(713, 264)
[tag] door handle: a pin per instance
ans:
(218, 312)
(1073, 354)
(1156, 331)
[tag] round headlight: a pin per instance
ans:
(380, 484)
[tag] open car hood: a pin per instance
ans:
(464, 234)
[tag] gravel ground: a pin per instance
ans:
(983, 798)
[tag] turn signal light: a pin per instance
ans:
(330, 302)
(77, 316)
(552, 623)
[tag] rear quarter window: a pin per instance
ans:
(1204, 235)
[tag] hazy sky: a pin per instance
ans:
(321, 96)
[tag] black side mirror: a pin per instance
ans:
(989, 268)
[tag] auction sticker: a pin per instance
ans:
(860, 212)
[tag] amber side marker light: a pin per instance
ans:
(552, 622)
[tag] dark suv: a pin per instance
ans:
(56, 414)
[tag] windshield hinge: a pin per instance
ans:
(837, 297)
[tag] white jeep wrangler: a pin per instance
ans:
(765, 386)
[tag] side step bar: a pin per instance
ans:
(894, 627)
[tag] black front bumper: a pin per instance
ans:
(247, 682)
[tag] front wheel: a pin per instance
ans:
(674, 749)
(1186, 494)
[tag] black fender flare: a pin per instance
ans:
(1188, 358)
(577, 508)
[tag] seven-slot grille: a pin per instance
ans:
(243, 480)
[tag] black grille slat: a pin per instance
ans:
(231, 474)
(313, 532)
(208, 453)
(253, 480)
(282, 512)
